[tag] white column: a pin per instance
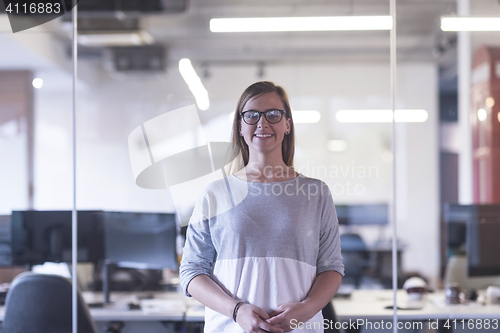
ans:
(465, 190)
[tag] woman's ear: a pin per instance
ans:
(288, 125)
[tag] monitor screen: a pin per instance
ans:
(483, 245)
(374, 214)
(5, 248)
(140, 240)
(482, 230)
(45, 236)
(456, 218)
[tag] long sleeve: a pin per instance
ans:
(329, 256)
(199, 254)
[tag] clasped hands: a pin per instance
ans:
(255, 320)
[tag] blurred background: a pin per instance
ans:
(128, 73)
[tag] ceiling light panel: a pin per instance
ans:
(381, 116)
(321, 23)
(470, 23)
(194, 83)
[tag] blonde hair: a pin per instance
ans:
(238, 144)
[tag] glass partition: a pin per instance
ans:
(157, 87)
(139, 112)
(36, 163)
(469, 142)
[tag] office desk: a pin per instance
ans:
(369, 305)
(363, 304)
(116, 311)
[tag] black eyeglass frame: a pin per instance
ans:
(242, 114)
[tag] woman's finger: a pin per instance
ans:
(265, 327)
(275, 320)
(261, 313)
(275, 313)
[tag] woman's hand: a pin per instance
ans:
(281, 317)
(252, 319)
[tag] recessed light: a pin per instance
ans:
(37, 83)
(490, 102)
(481, 114)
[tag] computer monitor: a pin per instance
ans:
(140, 240)
(368, 214)
(483, 245)
(45, 236)
(5, 248)
(456, 218)
(481, 233)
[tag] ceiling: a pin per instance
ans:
(187, 34)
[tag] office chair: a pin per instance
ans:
(42, 303)
(355, 256)
(329, 314)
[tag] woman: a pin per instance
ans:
(272, 260)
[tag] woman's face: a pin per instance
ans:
(264, 137)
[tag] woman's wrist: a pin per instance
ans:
(310, 308)
(236, 308)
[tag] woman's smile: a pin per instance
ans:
(263, 136)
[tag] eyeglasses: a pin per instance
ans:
(252, 117)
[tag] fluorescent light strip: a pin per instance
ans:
(381, 116)
(306, 116)
(321, 23)
(470, 23)
(336, 145)
(194, 83)
(299, 117)
(115, 38)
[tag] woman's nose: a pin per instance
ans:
(262, 121)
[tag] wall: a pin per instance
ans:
(111, 106)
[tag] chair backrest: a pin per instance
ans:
(355, 256)
(329, 315)
(42, 303)
(352, 242)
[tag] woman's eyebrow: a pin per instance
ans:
(262, 111)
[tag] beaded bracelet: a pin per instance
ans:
(235, 311)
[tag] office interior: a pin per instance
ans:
(128, 74)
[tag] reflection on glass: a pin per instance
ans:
(35, 145)
(129, 59)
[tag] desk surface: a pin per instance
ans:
(363, 304)
(370, 304)
(178, 304)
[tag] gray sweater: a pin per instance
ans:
(263, 243)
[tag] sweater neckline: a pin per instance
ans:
(264, 183)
